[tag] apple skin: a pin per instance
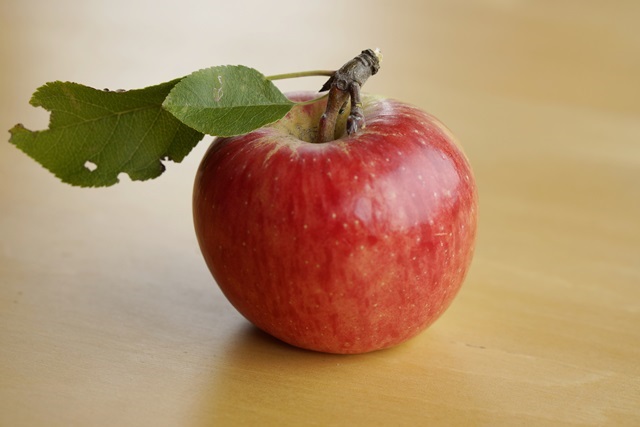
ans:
(344, 247)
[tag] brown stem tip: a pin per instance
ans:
(346, 84)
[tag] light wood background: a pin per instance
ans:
(108, 315)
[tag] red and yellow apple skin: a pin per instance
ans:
(348, 246)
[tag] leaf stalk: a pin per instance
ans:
(297, 74)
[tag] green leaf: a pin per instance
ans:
(227, 100)
(95, 135)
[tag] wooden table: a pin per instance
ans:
(108, 315)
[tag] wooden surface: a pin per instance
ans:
(108, 315)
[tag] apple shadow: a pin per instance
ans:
(263, 381)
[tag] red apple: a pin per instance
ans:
(348, 246)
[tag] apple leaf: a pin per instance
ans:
(94, 135)
(227, 100)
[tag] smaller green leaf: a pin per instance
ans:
(227, 100)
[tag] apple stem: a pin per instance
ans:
(342, 85)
